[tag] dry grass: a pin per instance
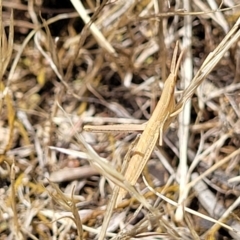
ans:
(61, 69)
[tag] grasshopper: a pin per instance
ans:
(153, 130)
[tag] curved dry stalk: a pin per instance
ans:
(185, 115)
(210, 62)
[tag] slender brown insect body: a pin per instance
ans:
(153, 129)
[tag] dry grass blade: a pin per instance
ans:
(6, 47)
(209, 63)
(6, 43)
(185, 115)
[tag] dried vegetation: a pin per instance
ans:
(67, 64)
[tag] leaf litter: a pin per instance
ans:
(65, 66)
